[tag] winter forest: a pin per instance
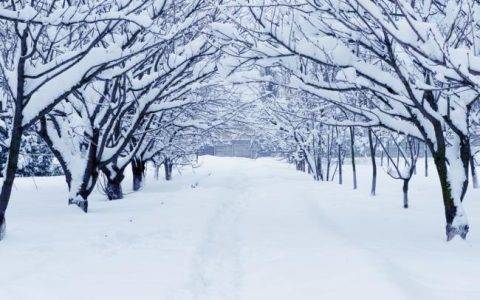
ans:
(353, 137)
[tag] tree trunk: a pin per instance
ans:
(168, 165)
(15, 137)
(318, 167)
(473, 169)
(388, 149)
(10, 170)
(319, 160)
(3, 227)
(157, 171)
(79, 195)
(115, 176)
(340, 169)
(138, 171)
(329, 159)
(426, 160)
(82, 180)
(452, 171)
(454, 214)
(405, 192)
(374, 164)
(114, 190)
(352, 154)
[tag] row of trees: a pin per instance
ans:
(297, 129)
(410, 67)
(107, 84)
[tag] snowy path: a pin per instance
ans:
(249, 230)
(216, 268)
(283, 240)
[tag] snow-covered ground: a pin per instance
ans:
(249, 229)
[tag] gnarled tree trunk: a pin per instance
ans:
(114, 190)
(81, 187)
(138, 171)
(114, 177)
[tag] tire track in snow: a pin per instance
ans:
(216, 267)
(400, 277)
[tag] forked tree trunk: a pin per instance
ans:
(138, 171)
(374, 163)
(311, 164)
(114, 176)
(79, 194)
(114, 190)
(81, 181)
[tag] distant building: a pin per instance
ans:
(235, 148)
